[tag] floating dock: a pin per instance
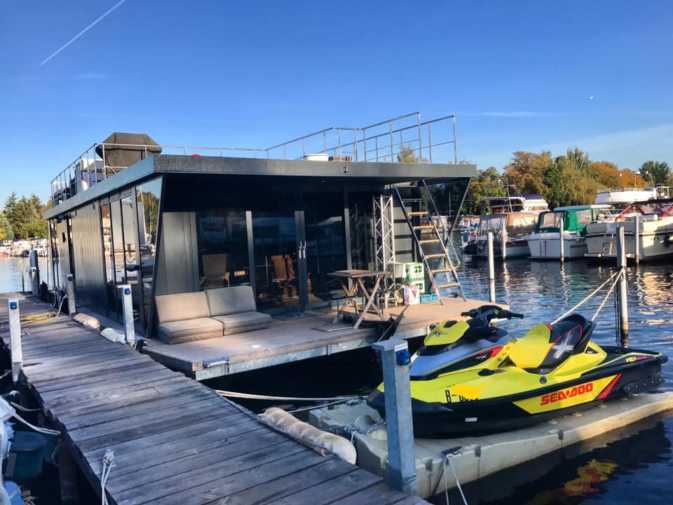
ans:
(476, 457)
(174, 440)
(290, 339)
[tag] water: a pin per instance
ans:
(639, 465)
(13, 269)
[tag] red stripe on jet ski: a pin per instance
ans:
(608, 389)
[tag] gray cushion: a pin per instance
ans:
(231, 300)
(182, 306)
(246, 321)
(187, 330)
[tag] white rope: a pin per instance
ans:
(22, 408)
(251, 396)
(607, 296)
(45, 431)
(455, 476)
(108, 463)
(586, 298)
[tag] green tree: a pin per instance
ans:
(656, 173)
(25, 216)
(6, 232)
(407, 155)
(487, 184)
(526, 171)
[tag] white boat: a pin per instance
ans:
(648, 224)
(511, 219)
(547, 242)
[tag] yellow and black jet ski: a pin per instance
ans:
(551, 370)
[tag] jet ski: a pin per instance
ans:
(456, 345)
(552, 370)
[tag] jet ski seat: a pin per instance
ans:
(544, 347)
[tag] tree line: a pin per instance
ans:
(569, 179)
(23, 218)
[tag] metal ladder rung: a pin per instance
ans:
(423, 227)
(434, 256)
(429, 241)
(446, 286)
(418, 213)
(441, 271)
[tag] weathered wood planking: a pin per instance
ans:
(175, 441)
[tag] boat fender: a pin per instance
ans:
(321, 441)
(88, 321)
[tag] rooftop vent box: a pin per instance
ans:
(121, 149)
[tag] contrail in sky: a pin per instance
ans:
(86, 29)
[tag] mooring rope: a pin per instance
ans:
(607, 296)
(586, 298)
(251, 396)
(108, 463)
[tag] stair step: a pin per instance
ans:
(418, 213)
(434, 256)
(429, 241)
(440, 271)
(447, 286)
(423, 227)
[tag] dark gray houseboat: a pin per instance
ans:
(280, 221)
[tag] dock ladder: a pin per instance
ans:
(430, 233)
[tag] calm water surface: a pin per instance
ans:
(635, 469)
(12, 270)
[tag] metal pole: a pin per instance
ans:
(15, 338)
(127, 306)
(70, 292)
(395, 359)
(503, 240)
(34, 273)
(636, 238)
(623, 289)
(562, 241)
(455, 140)
(491, 267)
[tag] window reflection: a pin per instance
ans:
(149, 196)
(130, 254)
(223, 248)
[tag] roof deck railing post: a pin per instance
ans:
(420, 137)
(455, 140)
(430, 141)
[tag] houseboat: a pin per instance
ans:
(511, 220)
(648, 232)
(247, 244)
(559, 234)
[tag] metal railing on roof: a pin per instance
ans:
(404, 139)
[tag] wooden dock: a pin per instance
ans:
(175, 441)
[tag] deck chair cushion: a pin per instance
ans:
(187, 330)
(182, 306)
(233, 300)
(245, 321)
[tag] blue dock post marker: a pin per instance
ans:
(127, 305)
(395, 360)
(15, 338)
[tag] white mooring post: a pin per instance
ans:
(562, 254)
(623, 307)
(491, 267)
(127, 305)
(34, 273)
(503, 241)
(395, 360)
(70, 293)
(15, 338)
(636, 239)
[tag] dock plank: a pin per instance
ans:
(174, 439)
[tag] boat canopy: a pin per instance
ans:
(516, 222)
(575, 219)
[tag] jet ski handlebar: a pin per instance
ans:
(489, 312)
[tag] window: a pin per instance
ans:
(551, 219)
(118, 242)
(583, 216)
(223, 248)
(149, 196)
(106, 228)
(130, 252)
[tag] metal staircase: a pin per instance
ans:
(430, 234)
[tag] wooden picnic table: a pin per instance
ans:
(353, 284)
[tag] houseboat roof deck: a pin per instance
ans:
(291, 339)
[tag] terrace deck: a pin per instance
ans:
(294, 338)
(175, 441)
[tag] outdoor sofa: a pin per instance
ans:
(186, 317)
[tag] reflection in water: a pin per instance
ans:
(640, 464)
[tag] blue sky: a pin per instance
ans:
(518, 74)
